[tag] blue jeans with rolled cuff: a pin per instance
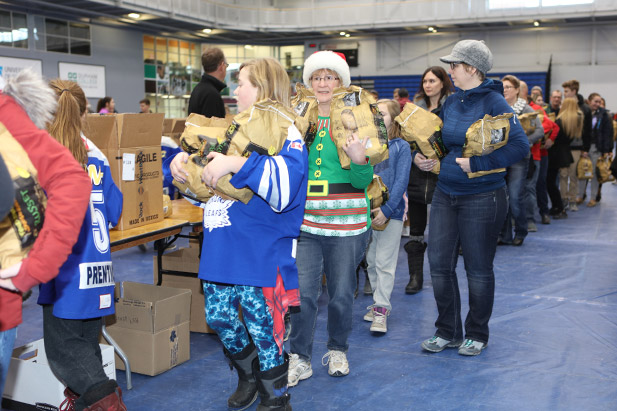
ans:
(338, 258)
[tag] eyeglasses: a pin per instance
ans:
(507, 87)
(327, 79)
(226, 64)
(453, 66)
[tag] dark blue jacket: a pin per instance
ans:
(459, 112)
(395, 173)
(602, 131)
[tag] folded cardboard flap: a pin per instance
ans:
(167, 126)
(178, 125)
(139, 130)
(102, 131)
(149, 308)
(173, 125)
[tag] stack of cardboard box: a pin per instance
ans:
(186, 260)
(132, 144)
(151, 325)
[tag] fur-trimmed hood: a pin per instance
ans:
(33, 94)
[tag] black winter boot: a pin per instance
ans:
(272, 385)
(246, 393)
(415, 259)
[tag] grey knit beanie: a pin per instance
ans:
(473, 52)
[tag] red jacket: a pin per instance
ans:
(403, 101)
(549, 126)
(68, 192)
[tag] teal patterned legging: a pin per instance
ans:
(222, 301)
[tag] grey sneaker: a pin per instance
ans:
(573, 207)
(337, 363)
(471, 347)
(380, 320)
(438, 344)
(531, 227)
(369, 314)
(299, 370)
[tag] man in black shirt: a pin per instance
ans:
(206, 97)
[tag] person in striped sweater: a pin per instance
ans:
(335, 230)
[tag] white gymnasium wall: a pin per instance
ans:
(586, 53)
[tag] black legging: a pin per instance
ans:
(553, 190)
(417, 218)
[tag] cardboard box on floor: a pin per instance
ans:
(187, 260)
(151, 325)
(132, 144)
(31, 381)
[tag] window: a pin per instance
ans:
(172, 68)
(13, 29)
(67, 37)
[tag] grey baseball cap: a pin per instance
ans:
(473, 52)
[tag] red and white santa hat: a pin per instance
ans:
(330, 60)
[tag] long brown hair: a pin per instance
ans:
(270, 78)
(66, 125)
(394, 108)
(571, 118)
(446, 84)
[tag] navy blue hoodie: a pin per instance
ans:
(459, 112)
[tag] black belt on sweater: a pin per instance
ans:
(320, 188)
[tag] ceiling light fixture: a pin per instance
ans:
(431, 29)
(207, 31)
(134, 15)
(342, 33)
(347, 35)
(536, 23)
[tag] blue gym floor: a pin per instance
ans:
(553, 343)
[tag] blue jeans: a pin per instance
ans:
(473, 221)
(530, 193)
(516, 180)
(338, 258)
(7, 340)
(541, 191)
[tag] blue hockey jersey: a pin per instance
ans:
(244, 244)
(169, 149)
(84, 287)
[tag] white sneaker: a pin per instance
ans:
(299, 370)
(380, 321)
(369, 314)
(337, 361)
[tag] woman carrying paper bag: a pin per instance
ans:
(468, 212)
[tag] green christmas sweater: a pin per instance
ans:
(336, 202)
